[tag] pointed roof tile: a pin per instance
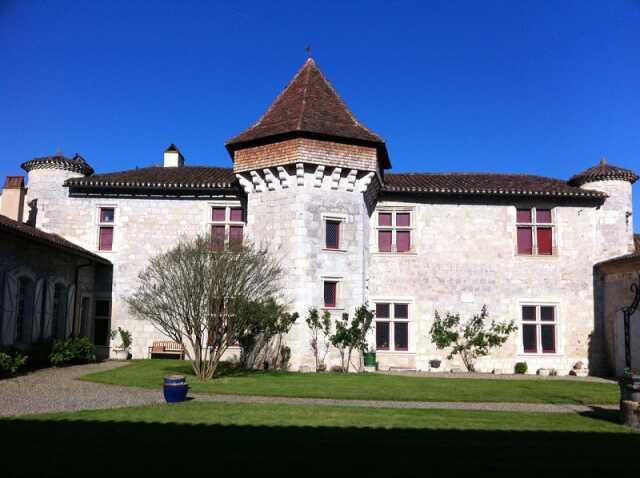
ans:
(309, 105)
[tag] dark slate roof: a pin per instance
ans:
(25, 231)
(309, 104)
(58, 161)
(483, 184)
(602, 172)
(192, 178)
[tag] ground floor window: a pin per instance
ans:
(392, 326)
(539, 329)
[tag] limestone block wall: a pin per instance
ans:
(290, 220)
(143, 228)
(464, 256)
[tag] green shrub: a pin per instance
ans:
(72, 352)
(521, 367)
(11, 361)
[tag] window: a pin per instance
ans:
(59, 311)
(392, 326)
(332, 234)
(102, 315)
(23, 310)
(394, 231)
(106, 222)
(535, 231)
(330, 294)
(227, 227)
(539, 329)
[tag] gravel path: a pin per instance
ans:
(58, 390)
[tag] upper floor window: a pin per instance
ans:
(394, 231)
(227, 227)
(539, 323)
(332, 233)
(106, 223)
(535, 231)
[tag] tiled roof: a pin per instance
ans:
(201, 178)
(309, 104)
(602, 172)
(58, 161)
(26, 231)
(483, 184)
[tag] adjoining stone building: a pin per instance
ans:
(311, 181)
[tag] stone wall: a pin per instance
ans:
(464, 256)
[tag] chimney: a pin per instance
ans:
(12, 200)
(173, 157)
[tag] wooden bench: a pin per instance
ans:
(166, 347)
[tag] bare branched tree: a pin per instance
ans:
(200, 298)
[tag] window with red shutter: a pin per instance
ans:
(235, 237)
(105, 241)
(227, 228)
(217, 238)
(384, 241)
(394, 231)
(236, 214)
(535, 231)
(219, 214)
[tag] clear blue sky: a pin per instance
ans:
(543, 87)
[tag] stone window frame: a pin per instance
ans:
(227, 223)
(411, 321)
(533, 207)
(342, 220)
(100, 224)
(339, 281)
(558, 322)
(393, 210)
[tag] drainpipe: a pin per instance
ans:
(74, 332)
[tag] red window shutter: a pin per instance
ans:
(330, 294)
(525, 243)
(403, 239)
(105, 242)
(217, 238)
(384, 219)
(235, 237)
(523, 216)
(384, 241)
(382, 311)
(236, 214)
(403, 219)
(382, 335)
(332, 235)
(401, 336)
(545, 242)
(218, 214)
(543, 216)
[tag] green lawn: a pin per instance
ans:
(149, 373)
(294, 440)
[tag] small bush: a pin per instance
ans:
(72, 352)
(521, 367)
(11, 361)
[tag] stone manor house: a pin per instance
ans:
(312, 182)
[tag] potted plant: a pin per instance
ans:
(121, 352)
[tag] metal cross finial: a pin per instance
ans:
(308, 50)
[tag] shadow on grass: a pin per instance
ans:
(107, 447)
